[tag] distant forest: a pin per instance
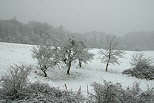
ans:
(35, 32)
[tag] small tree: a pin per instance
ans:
(69, 53)
(84, 55)
(46, 57)
(74, 50)
(111, 55)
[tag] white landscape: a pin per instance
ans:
(76, 51)
(94, 71)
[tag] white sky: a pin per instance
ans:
(111, 16)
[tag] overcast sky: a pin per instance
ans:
(110, 16)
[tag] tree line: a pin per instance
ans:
(35, 32)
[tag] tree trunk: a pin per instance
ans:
(69, 67)
(108, 62)
(43, 70)
(107, 66)
(45, 74)
(80, 64)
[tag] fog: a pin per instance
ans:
(110, 16)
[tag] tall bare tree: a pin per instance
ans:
(111, 54)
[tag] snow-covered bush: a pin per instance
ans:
(114, 93)
(135, 89)
(111, 93)
(17, 89)
(43, 93)
(142, 67)
(147, 96)
(139, 59)
(14, 81)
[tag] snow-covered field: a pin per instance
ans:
(11, 53)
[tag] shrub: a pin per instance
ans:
(139, 59)
(142, 67)
(147, 96)
(128, 72)
(135, 90)
(114, 93)
(33, 92)
(14, 81)
(43, 92)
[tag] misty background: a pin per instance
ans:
(32, 21)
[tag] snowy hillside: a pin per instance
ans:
(11, 54)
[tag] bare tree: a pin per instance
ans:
(110, 54)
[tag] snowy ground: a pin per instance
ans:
(11, 54)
